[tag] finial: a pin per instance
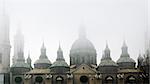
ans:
(124, 44)
(106, 44)
(82, 32)
(59, 46)
(43, 45)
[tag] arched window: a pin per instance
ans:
(38, 80)
(109, 80)
(130, 80)
(84, 80)
(59, 80)
(18, 80)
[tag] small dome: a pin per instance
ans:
(125, 60)
(59, 64)
(82, 43)
(42, 61)
(20, 64)
(107, 63)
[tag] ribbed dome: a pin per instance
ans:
(82, 50)
(82, 43)
(59, 63)
(20, 65)
(125, 60)
(42, 61)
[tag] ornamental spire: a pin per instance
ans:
(60, 54)
(4, 24)
(29, 61)
(18, 46)
(107, 52)
(124, 49)
(82, 32)
(43, 51)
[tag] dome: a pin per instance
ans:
(42, 61)
(82, 50)
(107, 63)
(20, 64)
(125, 60)
(82, 43)
(59, 64)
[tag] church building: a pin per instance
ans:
(83, 67)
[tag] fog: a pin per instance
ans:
(57, 21)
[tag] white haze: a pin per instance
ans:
(59, 20)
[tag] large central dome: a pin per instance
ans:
(82, 44)
(82, 50)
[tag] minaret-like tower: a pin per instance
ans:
(107, 66)
(18, 59)
(43, 61)
(125, 61)
(19, 65)
(59, 66)
(18, 46)
(106, 59)
(4, 40)
(60, 54)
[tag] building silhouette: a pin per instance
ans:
(83, 67)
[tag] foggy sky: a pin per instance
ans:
(58, 21)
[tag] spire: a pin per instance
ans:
(82, 32)
(4, 24)
(60, 54)
(106, 59)
(18, 46)
(43, 51)
(29, 61)
(107, 52)
(103, 56)
(124, 49)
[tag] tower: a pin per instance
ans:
(108, 67)
(19, 65)
(125, 61)
(4, 40)
(60, 66)
(43, 61)
(18, 46)
(4, 45)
